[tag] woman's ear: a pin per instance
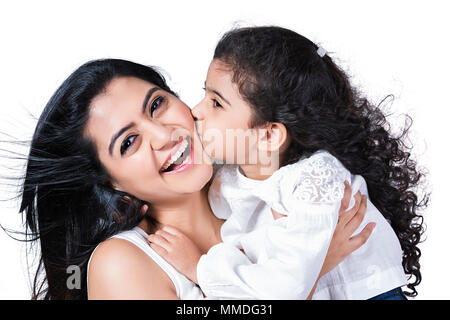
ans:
(272, 137)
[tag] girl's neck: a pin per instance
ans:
(262, 171)
(258, 171)
(192, 215)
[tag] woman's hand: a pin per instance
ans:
(177, 249)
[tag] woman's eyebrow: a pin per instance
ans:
(218, 93)
(117, 135)
(148, 96)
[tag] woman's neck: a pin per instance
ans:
(192, 215)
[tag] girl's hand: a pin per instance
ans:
(342, 243)
(177, 249)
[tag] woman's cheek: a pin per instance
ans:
(137, 169)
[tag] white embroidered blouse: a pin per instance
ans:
(283, 257)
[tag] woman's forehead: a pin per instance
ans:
(118, 104)
(124, 88)
(121, 95)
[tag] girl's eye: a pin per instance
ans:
(127, 143)
(216, 103)
(156, 104)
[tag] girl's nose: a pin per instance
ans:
(197, 112)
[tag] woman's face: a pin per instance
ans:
(146, 139)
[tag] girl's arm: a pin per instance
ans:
(294, 250)
(180, 251)
(342, 243)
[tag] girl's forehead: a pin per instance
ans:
(220, 68)
(220, 78)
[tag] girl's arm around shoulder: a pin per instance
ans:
(120, 270)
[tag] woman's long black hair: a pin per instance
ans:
(281, 75)
(67, 197)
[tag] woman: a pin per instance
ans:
(99, 167)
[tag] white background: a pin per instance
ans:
(398, 47)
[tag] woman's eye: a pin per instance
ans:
(156, 104)
(216, 104)
(127, 143)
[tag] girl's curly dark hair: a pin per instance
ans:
(281, 75)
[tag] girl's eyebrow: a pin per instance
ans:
(218, 93)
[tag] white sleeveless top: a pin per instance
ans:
(185, 289)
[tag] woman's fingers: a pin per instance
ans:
(361, 238)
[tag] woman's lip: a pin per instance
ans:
(173, 151)
(185, 166)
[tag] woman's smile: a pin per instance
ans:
(180, 158)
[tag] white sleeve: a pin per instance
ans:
(217, 201)
(295, 245)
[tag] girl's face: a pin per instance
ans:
(145, 138)
(223, 118)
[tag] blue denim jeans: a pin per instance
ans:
(394, 294)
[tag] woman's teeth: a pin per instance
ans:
(177, 156)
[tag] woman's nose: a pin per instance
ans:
(161, 136)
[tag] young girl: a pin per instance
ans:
(304, 131)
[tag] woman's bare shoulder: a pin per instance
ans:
(114, 253)
(120, 270)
